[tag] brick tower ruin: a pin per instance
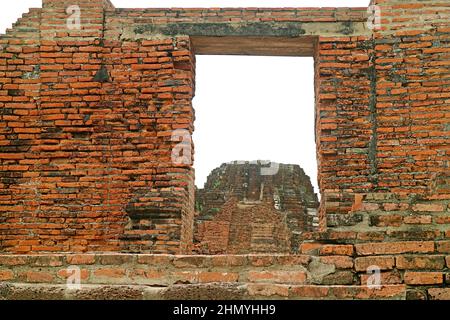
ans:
(95, 99)
(243, 210)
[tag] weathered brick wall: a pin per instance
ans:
(393, 86)
(87, 118)
(241, 276)
(409, 270)
(87, 149)
(411, 57)
(87, 139)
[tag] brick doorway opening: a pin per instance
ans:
(241, 207)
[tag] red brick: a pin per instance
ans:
(293, 260)
(81, 259)
(261, 260)
(308, 247)
(315, 292)
(268, 290)
(447, 261)
(47, 261)
(9, 260)
(6, 275)
(155, 260)
(154, 274)
(423, 278)
(115, 259)
(228, 261)
(39, 277)
(386, 277)
(341, 262)
(65, 273)
(418, 219)
(428, 207)
(420, 262)
(190, 261)
(365, 249)
(443, 246)
(185, 276)
(110, 273)
(218, 277)
(340, 250)
(439, 293)
(364, 292)
(384, 263)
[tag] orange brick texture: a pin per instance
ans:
(87, 117)
(408, 270)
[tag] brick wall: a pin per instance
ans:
(392, 86)
(87, 138)
(89, 114)
(87, 117)
(251, 276)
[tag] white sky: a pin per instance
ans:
(247, 108)
(254, 108)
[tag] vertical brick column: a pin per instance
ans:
(74, 150)
(384, 141)
(19, 131)
(152, 98)
(344, 124)
(109, 110)
(412, 94)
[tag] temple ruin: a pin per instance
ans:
(94, 100)
(241, 210)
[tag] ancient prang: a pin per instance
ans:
(250, 207)
(97, 177)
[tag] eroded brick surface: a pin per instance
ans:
(87, 118)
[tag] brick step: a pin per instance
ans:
(237, 291)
